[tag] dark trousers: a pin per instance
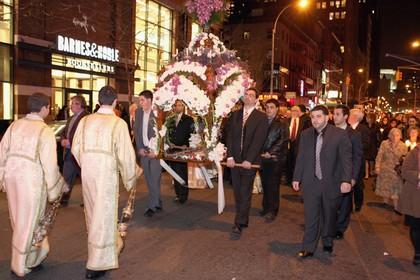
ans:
(181, 168)
(291, 161)
(320, 211)
(415, 240)
(70, 172)
(359, 188)
(242, 182)
(344, 211)
(270, 179)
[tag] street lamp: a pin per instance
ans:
(302, 4)
(362, 85)
(415, 44)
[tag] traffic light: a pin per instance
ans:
(398, 75)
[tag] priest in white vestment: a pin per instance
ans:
(29, 174)
(103, 149)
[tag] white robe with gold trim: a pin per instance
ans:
(103, 149)
(29, 174)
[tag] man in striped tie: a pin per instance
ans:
(244, 144)
(323, 171)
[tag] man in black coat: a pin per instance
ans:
(180, 129)
(355, 119)
(274, 156)
(323, 170)
(341, 114)
(246, 137)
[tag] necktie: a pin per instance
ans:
(318, 171)
(293, 134)
(245, 118)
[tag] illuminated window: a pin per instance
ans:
(331, 3)
(343, 15)
(154, 36)
(6, 20)
(318, 5)
(343, 3)
(246, 35)
(337, 15)
(337, 4)
(331, 16)
(324, 5)
(195, 29)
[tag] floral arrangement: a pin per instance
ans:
(210, 79)
(206, 11)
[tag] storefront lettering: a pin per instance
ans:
(74, 46)
(89, 65)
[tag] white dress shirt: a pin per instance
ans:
(146, 116)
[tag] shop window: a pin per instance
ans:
(331, 16)
(5, 63)
(6, 20)
(154, 37)
(6, 99)
(195, 29)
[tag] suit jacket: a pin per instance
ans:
(73, 128)
(180, 135)
(356, 151)
(336, 160)
(138, 129)
(365, 133)
(255, 132)
(277, 141)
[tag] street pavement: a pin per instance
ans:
(191, 241)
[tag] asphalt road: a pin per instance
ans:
(191, 241)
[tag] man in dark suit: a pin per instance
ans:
(274, 156)
(323, 170)
(355, 119)
(246, 137)
(70, 167)
(143, 132)
(298, 122)
(180, 129)
(341, 114)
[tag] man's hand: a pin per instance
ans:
(266, 155)
(246, 164)
(142, 152)
(345, 187)
(65, 143)
(295, 185)
(230, 163)
(151, 154)
(353, 182)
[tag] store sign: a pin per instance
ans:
(89, 65)
(290, 94)
(91, 50)
(311, 92)
(332, 94)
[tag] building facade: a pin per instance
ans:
(64, 48)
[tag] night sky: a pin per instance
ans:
(400, 25)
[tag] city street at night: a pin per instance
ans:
(191, 241)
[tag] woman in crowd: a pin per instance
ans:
(413, 121)
(410, 198)
(413, 137)
(389, 182)
(393, 123)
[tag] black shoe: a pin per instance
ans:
(182, 200)
(94, 274)
(64, 203)
(149, 213)
(416, 260)
(328, 249)
(305, 254)
(270, 217)
(397, 212)
(339, 235)
(263, 212)
(236, 232)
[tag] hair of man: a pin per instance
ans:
(321, 108)
(107, 95)
(36, 101)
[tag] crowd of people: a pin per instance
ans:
(326, 153)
